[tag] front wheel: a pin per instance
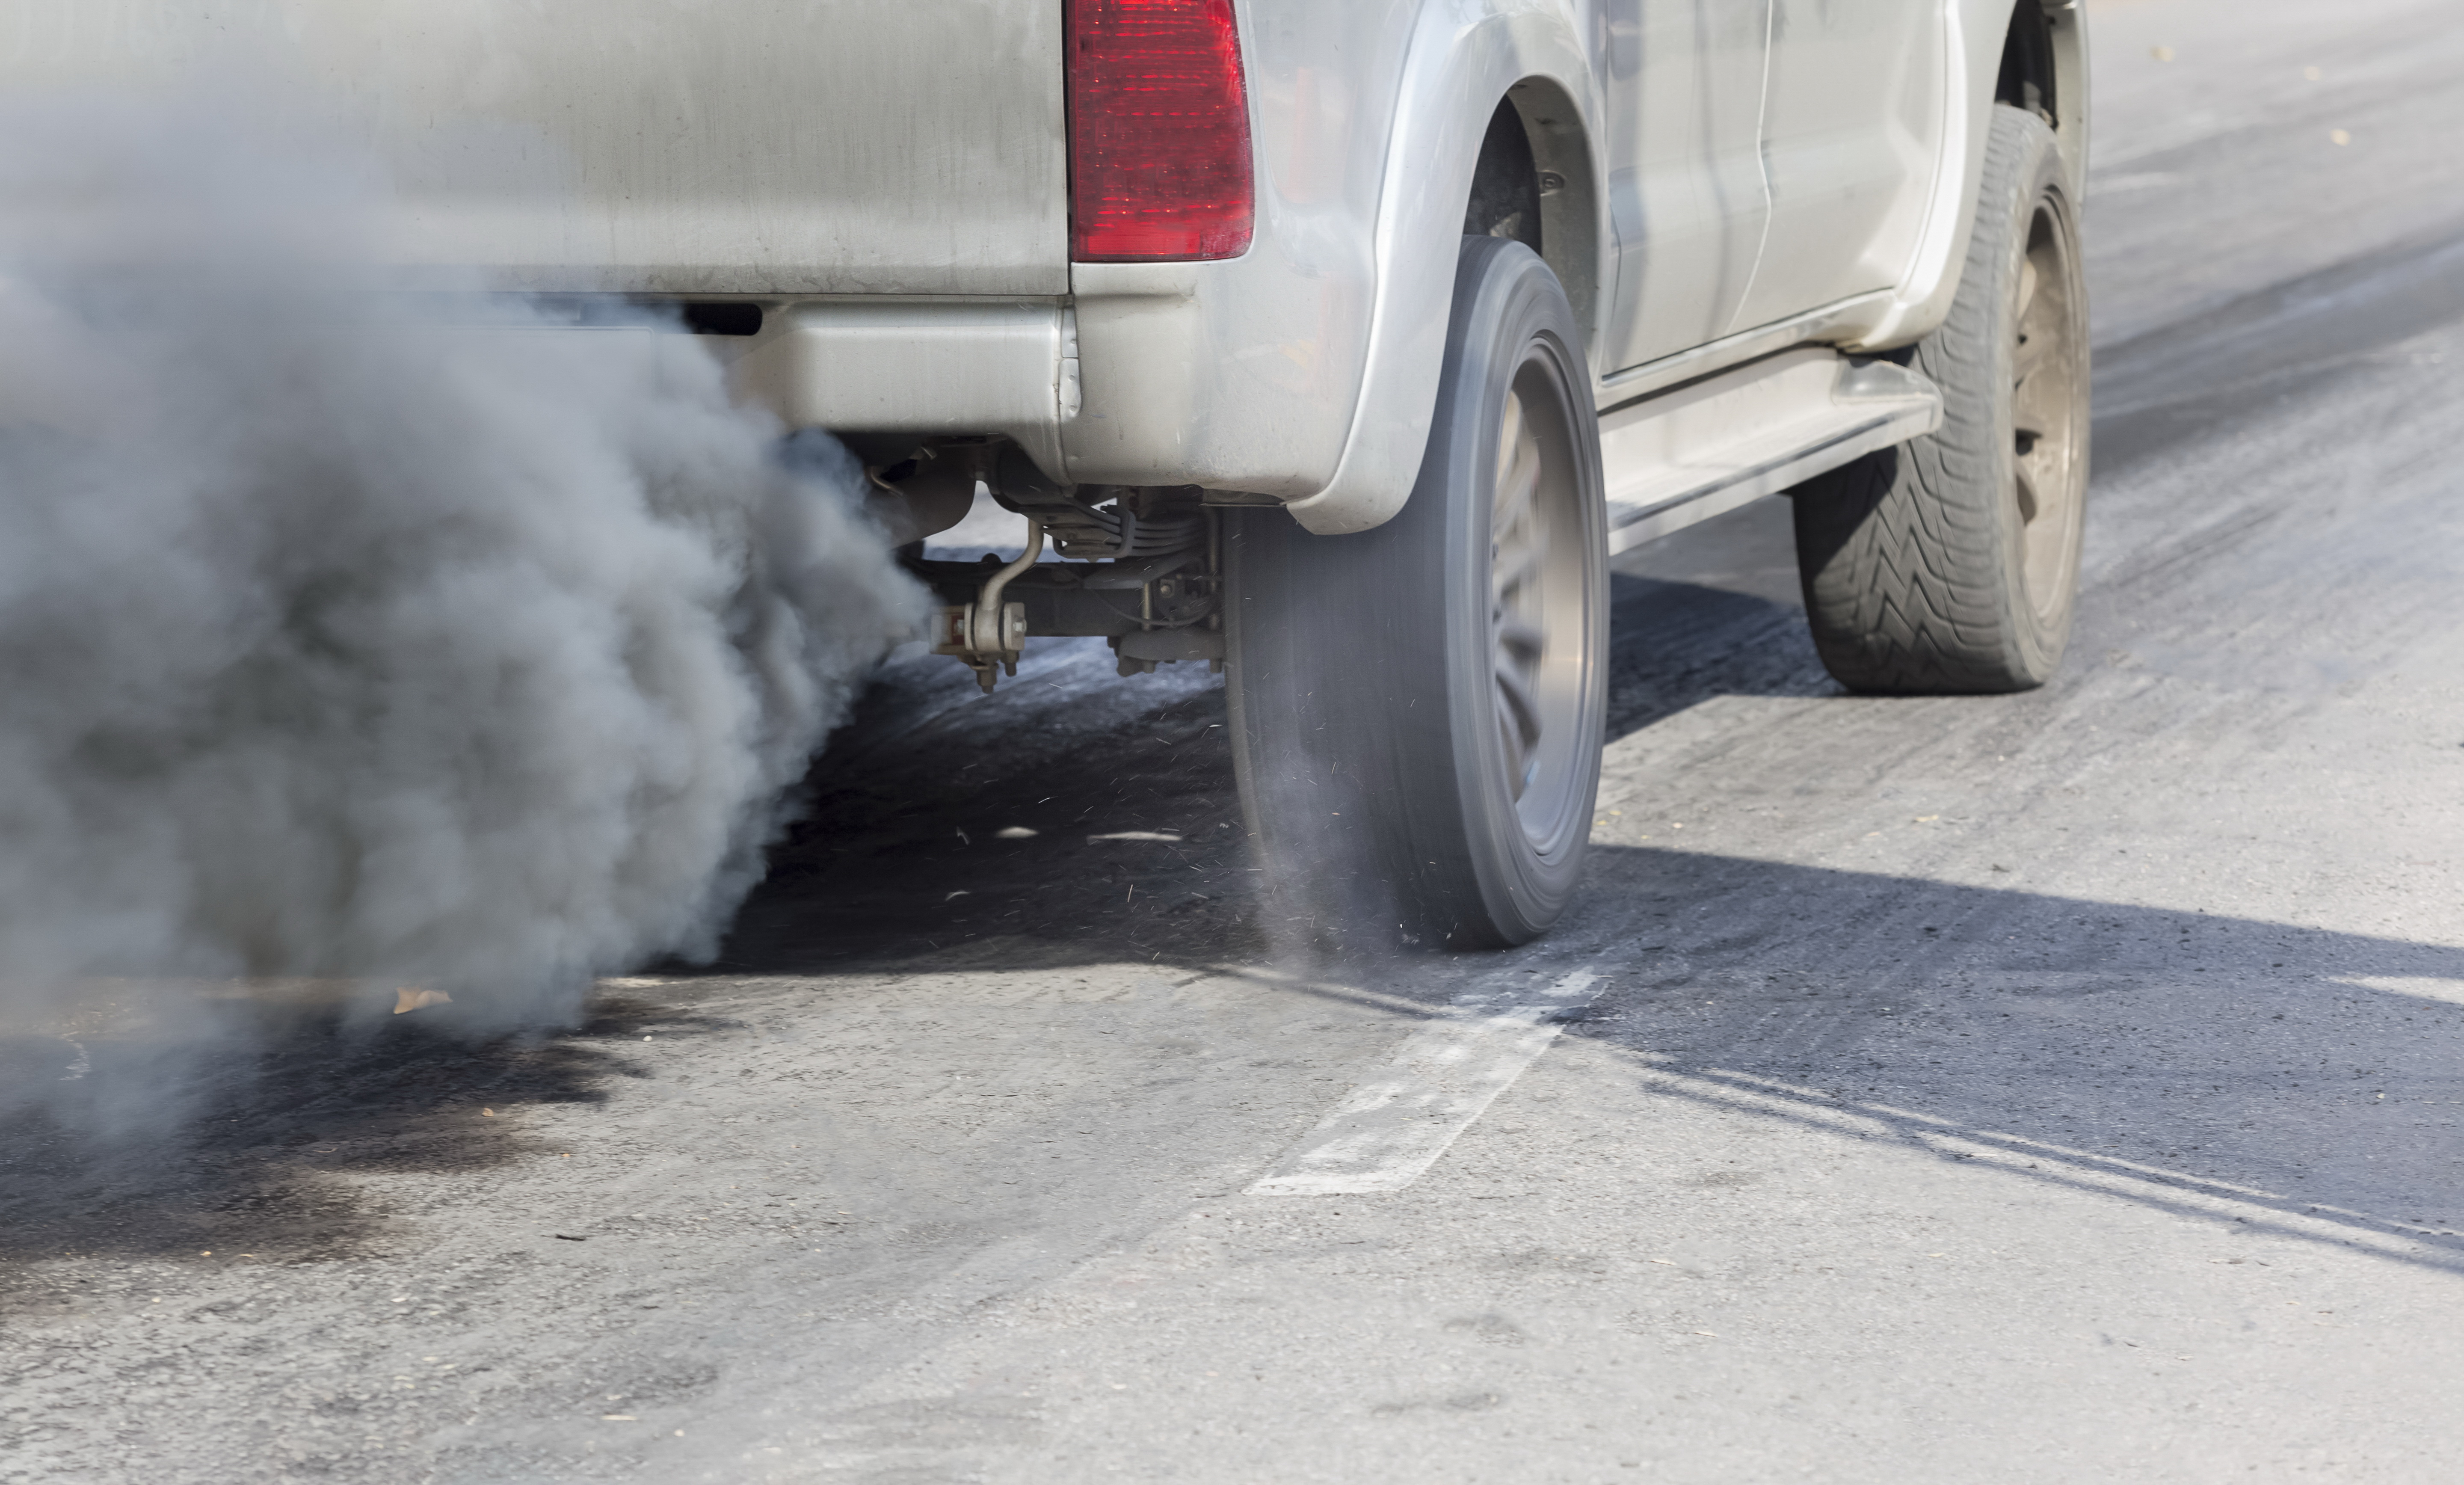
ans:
(1950, 564)
(1418, 710)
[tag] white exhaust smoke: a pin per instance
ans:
(340, 637)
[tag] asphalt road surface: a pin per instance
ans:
(2043, 1088)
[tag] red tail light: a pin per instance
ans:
(1158, 131)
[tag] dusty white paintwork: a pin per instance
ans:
(668, 146)
(890, 182)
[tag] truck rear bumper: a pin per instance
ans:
(1212, 375)
(916, 366)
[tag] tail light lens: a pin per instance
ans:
(1158, 132)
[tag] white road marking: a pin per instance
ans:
(1390, 1129)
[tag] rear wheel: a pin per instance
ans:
(1950, 564)
(1418, 710)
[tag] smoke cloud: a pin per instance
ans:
(362, 634)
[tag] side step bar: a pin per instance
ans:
(1706, 448)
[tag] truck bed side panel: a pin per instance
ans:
(671, 147)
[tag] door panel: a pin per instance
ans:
(1684, 85)
(1852, 129)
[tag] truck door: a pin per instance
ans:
(1684, 81)
(1851, 138)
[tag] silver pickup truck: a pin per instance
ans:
(1337, 343)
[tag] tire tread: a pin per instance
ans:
(1900, 552)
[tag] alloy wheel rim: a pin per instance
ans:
(2048, 423)
(1535, 606)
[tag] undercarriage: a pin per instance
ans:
(1142, 565)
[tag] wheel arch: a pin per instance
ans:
(1464, 61)
(1989, 43)
(1566, 181)
(2044, 69)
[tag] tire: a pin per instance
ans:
(1418, 710)
(1950, 564)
